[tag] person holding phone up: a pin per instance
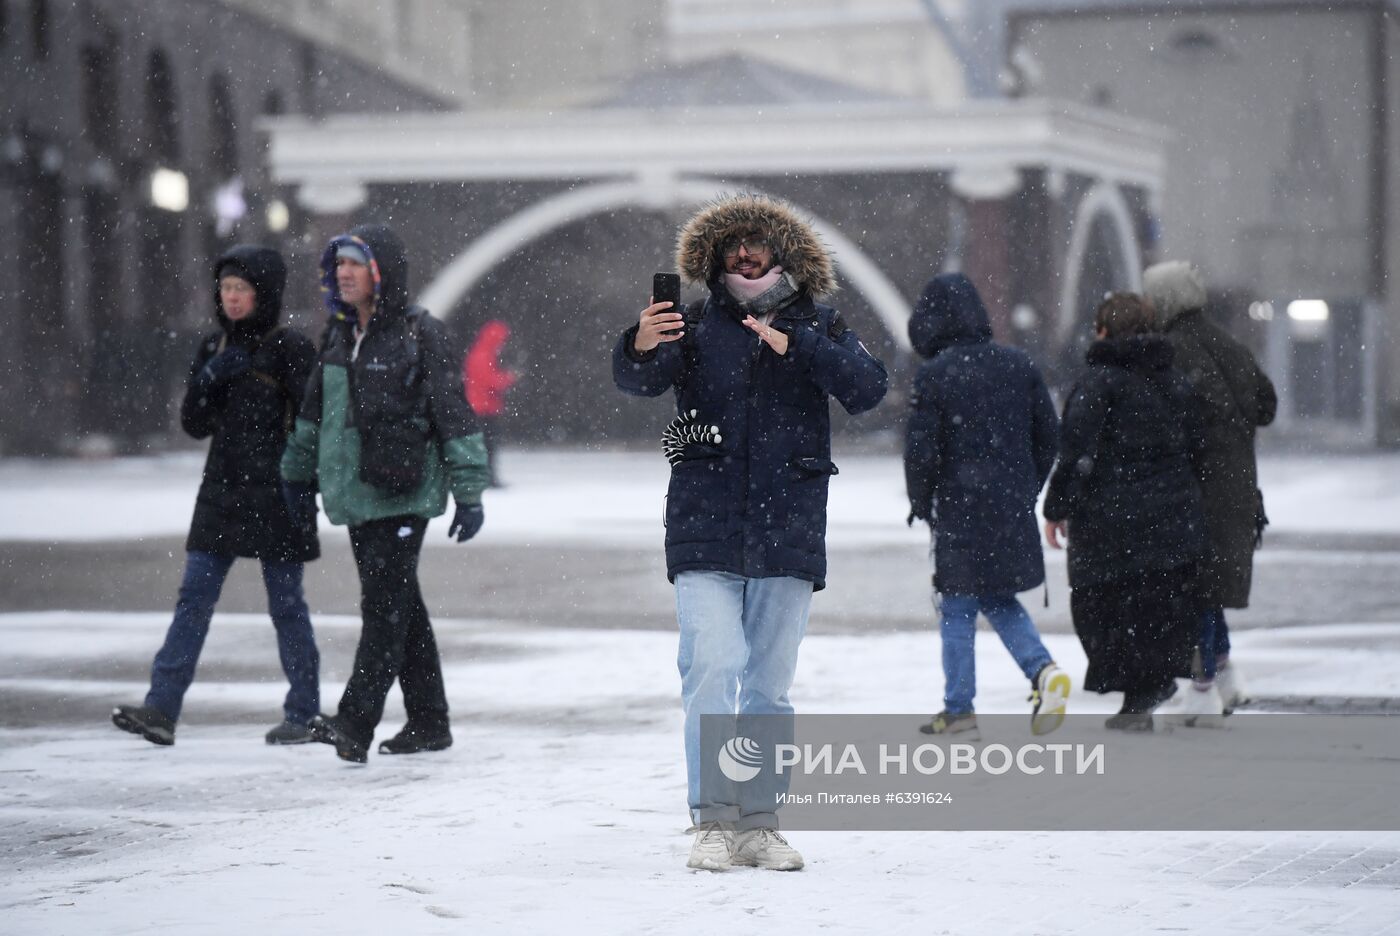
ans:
(754, 364)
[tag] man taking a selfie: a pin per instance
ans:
(753, 366)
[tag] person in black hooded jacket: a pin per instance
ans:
(979, 446)
(385, 432)
(245, 386)
(1126, 493)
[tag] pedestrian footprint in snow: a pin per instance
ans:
(979, 445)
(247, 381)
(1125, 492)
(752, 367)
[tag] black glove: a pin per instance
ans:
(467, 522)
(300, 499)
(226, 365)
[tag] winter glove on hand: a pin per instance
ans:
(300, 499)
(224, 366)
(467, 522)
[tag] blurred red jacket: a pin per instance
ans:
(487, 381)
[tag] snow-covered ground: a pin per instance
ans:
(560, 808)
(615, 498)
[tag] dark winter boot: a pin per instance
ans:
(290, 733)
(413, 740)
(348, 746)
(151, 724)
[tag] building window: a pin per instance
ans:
(98, 62)
(161, 121)
(39, 27)
(223, 130)
(1196, 46)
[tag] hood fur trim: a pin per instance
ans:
(800, 251)
(1173, 287)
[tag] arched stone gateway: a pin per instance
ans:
(1103, 250)
(456, 280)
(555, 222)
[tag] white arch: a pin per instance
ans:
(1104, 198)
(459, 277)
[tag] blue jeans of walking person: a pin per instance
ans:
(1214, 642)
(175, 663)
(959, 631)
(738, 656)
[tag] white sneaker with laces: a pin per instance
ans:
(1231, 686)
(767, 849)
(711, 849)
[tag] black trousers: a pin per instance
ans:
(396, 637)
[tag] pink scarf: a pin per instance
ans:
(747, 290)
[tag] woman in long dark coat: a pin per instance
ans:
(246, 384)
(1235, 398)
(1126, 493)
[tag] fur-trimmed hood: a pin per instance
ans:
(1173, 288)
(798, 249)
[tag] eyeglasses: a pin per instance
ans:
(752, 245)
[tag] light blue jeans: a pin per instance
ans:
(959, 630)
(738, 656)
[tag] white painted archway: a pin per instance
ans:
(459, 277)
(1107, 199)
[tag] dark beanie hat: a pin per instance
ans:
(232, 268)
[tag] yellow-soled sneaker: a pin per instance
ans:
(1049, 698)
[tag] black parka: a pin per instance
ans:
(755, 504)
(399, 379)
(1235, 399)
(1130, 452)
(239, 510)
(979, 445)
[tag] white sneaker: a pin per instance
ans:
(1231, 686)
(765, 848)
(1197, 707)
(711, 849)
(1049, 699)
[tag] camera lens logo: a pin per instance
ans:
(740, 759)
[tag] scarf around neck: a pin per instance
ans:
(768, 293)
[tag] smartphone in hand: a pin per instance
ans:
(666, 287)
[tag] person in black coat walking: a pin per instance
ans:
(1125, 492)
(979, 445)
(245, 386)
(1235, 398)
(753, 369)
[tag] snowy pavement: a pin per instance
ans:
(561, 806)
(614, 498)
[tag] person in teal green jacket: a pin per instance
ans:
(385, 432)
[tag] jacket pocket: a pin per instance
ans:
(697, 501)
(814, 467)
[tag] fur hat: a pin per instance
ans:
(1173, 287)
(795, 243)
